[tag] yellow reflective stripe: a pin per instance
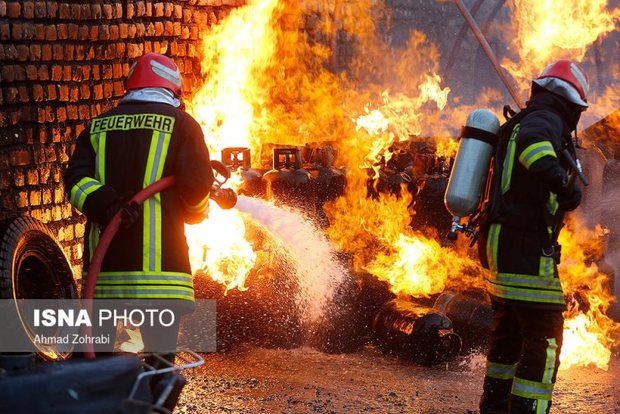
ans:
(132, 295)
(541, 406)
(535, 152)
(93, 239)
(509, 159)
(525, 294)
(174, 292)
(98, 142)
(83, 189)
(146, 235)
(552, 203)
(492, 246)
(162, 156)
(531, 389)
(149, 208)
(157, 231)
(546, 268)
(144, 281)
(154, 289)
(500, 371)
(525, 281)
(139, 272)
(101, 156)
(552, 349)
(151, 234)
(140, 278)
(200, 206)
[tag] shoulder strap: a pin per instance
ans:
(493, 207)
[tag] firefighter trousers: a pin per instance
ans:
(523, 359)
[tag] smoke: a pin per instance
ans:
(317, 270)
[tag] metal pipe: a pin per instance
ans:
(488, 51)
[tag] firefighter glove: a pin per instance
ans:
(225, 197)
(130, 212)
(569, 199)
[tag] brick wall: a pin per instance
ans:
(62, 63)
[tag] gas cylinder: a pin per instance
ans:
(471, 317)
(471, 167)
(419, 333)
(239, 159)
(288, 181)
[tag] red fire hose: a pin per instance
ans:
(102, 248)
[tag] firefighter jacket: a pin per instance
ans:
(529, 175)
(120, 153)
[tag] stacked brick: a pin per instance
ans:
(64, 62)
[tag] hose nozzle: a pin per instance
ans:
(226, 198)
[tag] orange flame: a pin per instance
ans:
(419, 266)
(233, 51)
(267, 83)
(545, 31)
(225, 106)
(377, 231)
(218, 248)
(556, 29)
(588, 332)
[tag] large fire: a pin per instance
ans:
(226, 103)
(589, 333)
(222, 251)
(267, 81)
(544, 31)
(225, 107)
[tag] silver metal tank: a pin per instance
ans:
(471, 166)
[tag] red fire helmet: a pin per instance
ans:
(566, 79)
(153, 70)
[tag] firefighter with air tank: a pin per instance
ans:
(147, 137)
(530, 188)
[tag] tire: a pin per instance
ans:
(33, 266)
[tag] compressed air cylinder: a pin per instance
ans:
(471, 167)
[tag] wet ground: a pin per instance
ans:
(303, 380)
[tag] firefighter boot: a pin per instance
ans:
(521, 405)
(168, 389)
(495, 396)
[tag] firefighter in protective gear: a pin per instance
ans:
(146, 137)
(531, 192)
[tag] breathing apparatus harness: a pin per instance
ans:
(491, 207)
